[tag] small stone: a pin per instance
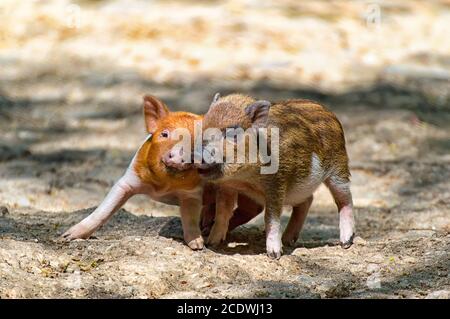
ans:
(359, 241)
(333, 289)
(439, 294)
(325, 288)
(4, 211)
(306, 280)
(232, 245)
(24, 202)
(203, 285)
(300, 251)
(371, 268)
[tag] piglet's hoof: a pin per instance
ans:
(196, 244)
(289, 240)
(274, 254)
(348, 243)
(216, 236)
(78, 231)
(274, 250)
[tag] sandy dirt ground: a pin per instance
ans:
(72, 76)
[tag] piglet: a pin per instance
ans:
(149, 174)
(300, 145)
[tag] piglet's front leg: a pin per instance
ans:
(226, 202)
(125, 187)
(190, 219)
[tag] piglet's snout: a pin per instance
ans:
(176, 158)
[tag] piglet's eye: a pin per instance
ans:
(164, 134)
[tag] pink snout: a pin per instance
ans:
(175, 159)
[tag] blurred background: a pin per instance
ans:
(73, 73)
(72, 76)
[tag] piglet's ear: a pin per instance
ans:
(154, 110)
(258, 112)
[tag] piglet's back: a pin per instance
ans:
(307, 127)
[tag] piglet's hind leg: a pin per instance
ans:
(298, 216)
(340, 189)
(116, 198)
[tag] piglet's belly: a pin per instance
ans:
(307, 186)
(301, 192)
